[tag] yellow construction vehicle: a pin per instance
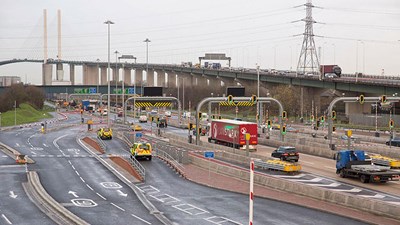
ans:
(104, 133)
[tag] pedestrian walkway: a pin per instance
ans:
(211, 179)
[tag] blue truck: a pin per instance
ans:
(353, 163)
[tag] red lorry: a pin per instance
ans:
(330, 69)
(232, 133)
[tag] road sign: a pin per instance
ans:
(92, 90)
(131, 90)
(139, 135)
(208, 154)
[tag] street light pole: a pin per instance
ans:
(147, 60)
(116, 76)
(15, 113)
(108, 22)
(258, 95)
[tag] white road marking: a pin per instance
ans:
(220, 220)
(117, 207)
(73, 167)
(12, 195)
(347, 190)
(101, 196)
(190, 208)
(16, 144)
(140, 219)
(82, 180)
(317, 179)
(69, 162)
(372, 196)
(326, 185)
(89, 187)
(73, 193)
(288, 176)
(122, 193)
(77, 173)
(6, 219)
(45, 145)
(396, 203)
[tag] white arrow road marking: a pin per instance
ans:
(122, 193)
(12, 195)
(326, 185)
(317, 179)
(45, 145)
(73, 193)
(286, 176)
(372, 196)
(347, 190)
(6, 219)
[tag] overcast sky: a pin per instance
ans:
(256, 31)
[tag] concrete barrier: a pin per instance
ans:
(364, 204)
(57, 209)
(13, 153)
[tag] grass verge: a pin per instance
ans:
(24, 114)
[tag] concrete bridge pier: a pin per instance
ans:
(138, 77)
(150, 78)
(115, 74)
(90, 75)
(127, 77)
(171, 83)
(60, 72)
(103, 72)
(72, 74)
(47, 72)
(160, 78)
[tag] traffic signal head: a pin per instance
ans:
(333, 128)
(383, 98)
(253, 98)
(230, 98)
(212, 116)
(391, 124)
(158, 119)
(322, 119)
(333, 115)
(190, 126)
(317, 123)
(284, 115)
(199, 115)
(312, 117)
(361, 99)
(81, 111)
(269, 123)
(283, 129)
(219, 117)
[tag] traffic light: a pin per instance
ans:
(322, 119)
(284, 129)
(219, 117)
(391, 124)
(284, 115)
(212, 116)
(333, 128)
(317, 123)
(199, 115)
(269, 123)
(230, 99)
(333, 115)
(81, 111)
(190, 126)
(361, 99)
(312, 118)
(253, 98)
(158, 119)
(383, 98)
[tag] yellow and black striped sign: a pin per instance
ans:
(152, 104)
(236, 104)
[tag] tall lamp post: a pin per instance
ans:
(108, 22)
(116, 76)
(258, 95)
(147, 59)
(0, 120)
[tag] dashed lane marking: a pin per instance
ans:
(140, 219)
(6, 219)
(221, 220)
(117, 207)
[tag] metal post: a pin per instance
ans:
(123, 91)
(108, 22)
(116, 77)
(147, 60)
(15, 113)
(251, 197)
(258, 95)
(0, 120)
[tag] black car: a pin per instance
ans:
(286, 153)
(394, 142)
